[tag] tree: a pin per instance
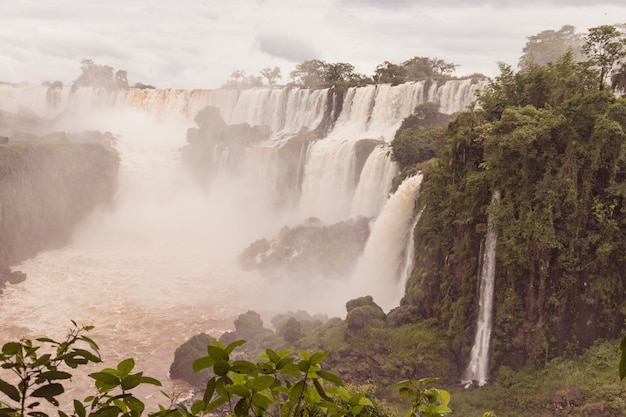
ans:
(316, 73)
(605, 47)
(420, 67)
(271, 75)
(100, 76)
(548, 46)
(390, 73)
(239, 80)
(309, 73)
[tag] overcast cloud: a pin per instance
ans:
(198, 43)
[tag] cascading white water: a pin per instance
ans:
(160, 266)
(374, 183)
(381, 268)
(478, 368)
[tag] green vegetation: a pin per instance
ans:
(414, 69)
(552, 140)
(316, 73)
(278, 384)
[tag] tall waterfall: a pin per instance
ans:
(478, 368)
(386, 253)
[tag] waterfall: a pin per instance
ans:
(374, 183)
(381, 270)
(163, 261)
(478, 368)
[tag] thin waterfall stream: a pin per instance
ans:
(478, 369)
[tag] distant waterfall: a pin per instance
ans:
(381, 270)
(478, 368)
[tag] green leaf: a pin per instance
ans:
(134, 404)
(125, 366)
(202, 363)
(217, 353)
(271, 355)
(119, 404)
(298, 390)
(442, 409)
(52, 375)
(318, 357)
(48, 391)
(105, 378)
(244, 367)
(291, 370)
(241, 408)
(11, 348)
(108, 411)
(150, 380)
(304, 365)
(208, 392)
(444, 397)
(37, 414)
(366, 401)
(221, 368)
(284, 362)
(232, 346)
(215, 405)
(261, 382)
(9, 390)
(238, 390)
(46, 340)
(354, 400)
(320, 390)
(355, 410)
(91, 343)
(197, 407)
(330, 377)
(131, 381)
(261, 401)
(266, 368)
(79, 408)
(42, 360)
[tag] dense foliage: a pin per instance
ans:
(279, 384)
(552, 140)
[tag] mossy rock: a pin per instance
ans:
(363, 312)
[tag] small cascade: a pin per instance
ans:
(478, 369)
(381, 270)
(374, 183)
(329, 183)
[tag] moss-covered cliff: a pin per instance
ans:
(555, 146)
(46, 189)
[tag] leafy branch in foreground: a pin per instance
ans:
(37, 369)
(279, 385)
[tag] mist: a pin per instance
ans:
(304, 197)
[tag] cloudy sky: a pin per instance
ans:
(198, 43)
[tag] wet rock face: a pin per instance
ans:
(309, 250)
(10, 277)
(47, 188)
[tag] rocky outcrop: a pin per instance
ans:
(309, 250)
(47, 187)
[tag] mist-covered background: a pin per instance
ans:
(197, 44)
